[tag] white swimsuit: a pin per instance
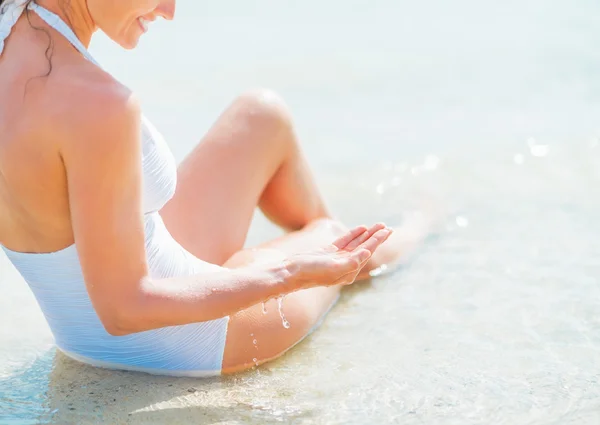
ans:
(56, 279)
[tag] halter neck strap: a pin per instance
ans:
(11, 11)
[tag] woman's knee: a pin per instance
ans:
(265, 110)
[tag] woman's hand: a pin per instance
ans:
(338, 263)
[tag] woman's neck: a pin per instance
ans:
(76, 14)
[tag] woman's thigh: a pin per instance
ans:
(253, 336)
(221, 181)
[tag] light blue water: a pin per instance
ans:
(489, 108)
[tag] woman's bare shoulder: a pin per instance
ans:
(85, 105)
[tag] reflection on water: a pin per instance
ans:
(23, 395)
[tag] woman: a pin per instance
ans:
(139, 265)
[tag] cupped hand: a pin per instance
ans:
(338, 263)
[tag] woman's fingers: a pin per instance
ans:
(348, 254)
(361, 256)
(376, 239)
(349, 237)
(352, 245)
(356, 236)
(354, 263)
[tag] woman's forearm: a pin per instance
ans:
(199, 298)
(158, 303)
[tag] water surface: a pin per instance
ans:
(487, 109)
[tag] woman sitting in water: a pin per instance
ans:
(135, 263)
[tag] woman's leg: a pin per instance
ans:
(255, 337)
(249, 158)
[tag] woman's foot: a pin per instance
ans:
(405, 239)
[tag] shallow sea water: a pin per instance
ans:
(488, 111)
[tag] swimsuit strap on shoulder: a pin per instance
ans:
(10, 12)
(59, 25)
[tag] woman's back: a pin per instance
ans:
(43, 91)
(35, 211)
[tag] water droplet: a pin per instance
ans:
(255, 360)
(378, 271)
(264, 308)
(462, 221)
(285, 323)
(518, 158)
(431, 162)
(251, 334)
(539, 150)
(254, 341)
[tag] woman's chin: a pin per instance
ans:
(130, 44)
(127, 43)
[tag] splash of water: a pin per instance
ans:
(285, 323)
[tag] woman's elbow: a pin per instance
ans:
(121, 321)
(118, 327)
(124, 314)
(115, 328)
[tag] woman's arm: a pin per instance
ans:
(101, 151)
